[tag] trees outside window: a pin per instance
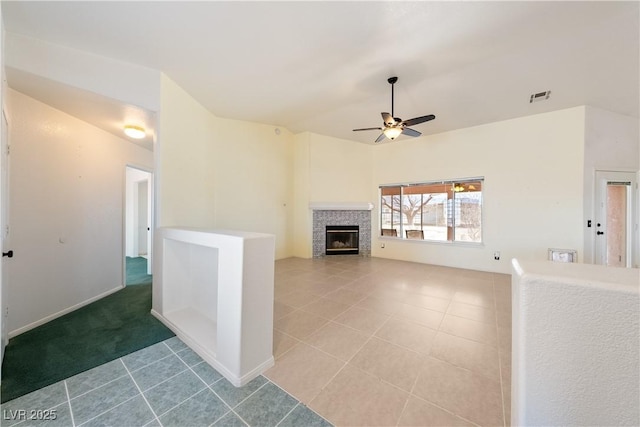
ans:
(444, 211)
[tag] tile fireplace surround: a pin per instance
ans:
(341, 214)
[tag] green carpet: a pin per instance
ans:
(137, 271)
(112, 327)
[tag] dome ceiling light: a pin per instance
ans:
(135, 132)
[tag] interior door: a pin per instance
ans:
(139, 215)
(143, 217)
(614, 218)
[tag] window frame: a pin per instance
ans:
(451, 203)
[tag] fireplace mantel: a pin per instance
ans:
(341, 206)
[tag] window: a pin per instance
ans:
(437, 211)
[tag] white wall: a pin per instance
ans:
(66, 211)
(129, 83)
(576, 348)
(533, 170)
(612, 143)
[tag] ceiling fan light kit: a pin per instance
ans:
(392, 132)
(395, 126)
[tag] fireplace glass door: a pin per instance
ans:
(342, 239)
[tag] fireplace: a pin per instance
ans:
(342, 240)
(350, 214)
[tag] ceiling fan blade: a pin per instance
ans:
(388, 119)
(378, 128)
(380, 138)
(410, 132)
(418, 120)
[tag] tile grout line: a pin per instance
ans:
(208, 386)
(141, 393)
(241, 402)
(174, 376)
(350, 359)
(148, 364)
(66, 389)
(411, 394)
(108, 410)
(96, 388)
(444, 409)
(288, 413)
(299, 403)
(164, 381)
(415, 380)
(186, 399)
(389, 317)
(504, 410)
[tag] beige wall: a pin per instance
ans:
(254, 180)
(533, 169)
(327, 170)
(339, 170)
(220, 173)
(302, 215)
(239, 175)
(533, 187)
(185, 176)
(612, 143)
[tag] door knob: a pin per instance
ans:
(8, 254)
(599, 232)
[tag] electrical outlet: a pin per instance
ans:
(496, 255)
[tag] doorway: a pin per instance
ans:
(614, 218)
(138, 226)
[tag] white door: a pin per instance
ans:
(615, 223)
(143, 217)
(139, 214)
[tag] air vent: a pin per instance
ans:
(540, 96)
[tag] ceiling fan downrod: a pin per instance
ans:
(392, 81)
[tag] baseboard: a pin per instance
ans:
(62, 312)
(210, 358)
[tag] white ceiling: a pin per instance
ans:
(102, 112)
(323, 66)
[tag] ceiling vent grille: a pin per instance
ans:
(540, 96)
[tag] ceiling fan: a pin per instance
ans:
(395, 126)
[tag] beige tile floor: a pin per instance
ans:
(377, 342)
